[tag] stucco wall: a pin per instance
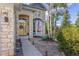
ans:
(7, 38)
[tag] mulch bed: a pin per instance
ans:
(49, 48)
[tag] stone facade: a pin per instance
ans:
(6, 30)
(8, 19)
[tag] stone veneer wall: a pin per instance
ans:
(6, 30)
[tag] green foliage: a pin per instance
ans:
(77, 21)
(55, 16)
(46, 38)
(69, 40)
(55, 5)
(46, 28)
(66, 21)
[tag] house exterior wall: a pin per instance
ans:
(8, 29)
(7, 33)
(32, 13)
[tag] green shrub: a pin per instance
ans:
(69, 40)
(46, 38)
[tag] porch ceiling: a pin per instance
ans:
(30, 7)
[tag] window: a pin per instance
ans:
(38, 25)
(33, 26)
(39, 14)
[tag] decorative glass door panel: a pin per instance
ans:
(21, 29)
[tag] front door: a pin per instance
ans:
(22, 26)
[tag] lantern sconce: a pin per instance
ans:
(6, 16)
(6, 19)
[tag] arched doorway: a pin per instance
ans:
(23, 25)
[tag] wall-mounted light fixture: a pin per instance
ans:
(6, 19)
(5, 14)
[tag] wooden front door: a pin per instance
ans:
(23, 26)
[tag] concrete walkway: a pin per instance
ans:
(29, 49)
